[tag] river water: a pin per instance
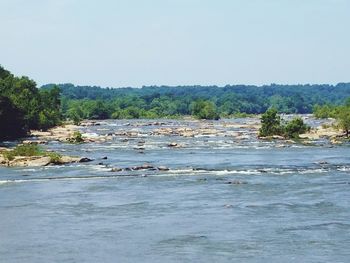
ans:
(223, 200)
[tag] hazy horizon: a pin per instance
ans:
(195, 85)
(185, 42)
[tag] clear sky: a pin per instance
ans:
(120, 43)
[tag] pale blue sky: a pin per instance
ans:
(176, 42)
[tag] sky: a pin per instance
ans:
(120, 43)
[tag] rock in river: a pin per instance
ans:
(163, 168)
(116, 169)
(174, 145)
(38, 161)
(145, 166)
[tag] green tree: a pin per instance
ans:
(24, 107)
(343, 118)
(75, 113)
(295, 127)
(204, 110)
(325, 111)
(11, 120)
(270, 123)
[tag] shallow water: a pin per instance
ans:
(222, 201)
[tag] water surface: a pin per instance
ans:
(223, 200)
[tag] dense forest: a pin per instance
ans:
(23, 106)
(80, 102)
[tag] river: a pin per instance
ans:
(222, 200)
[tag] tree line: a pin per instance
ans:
(212, 102)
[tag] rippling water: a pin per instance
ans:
(223, 200)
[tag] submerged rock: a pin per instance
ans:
(139, 148)
(322, 162)
(145, 166)
(174, 145)
(116, 169)
(236, 182)
(163, 168)
(202, 179)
